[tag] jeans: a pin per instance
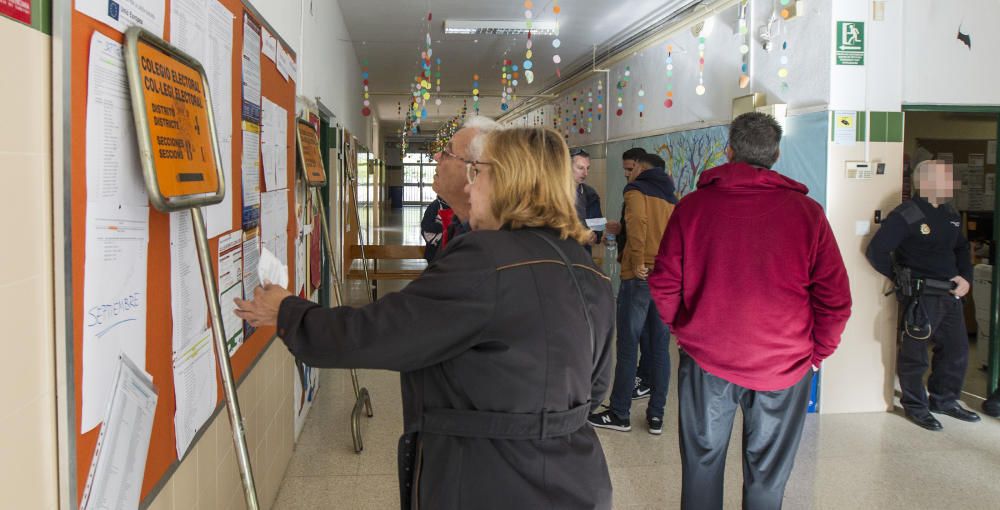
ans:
(636, 311)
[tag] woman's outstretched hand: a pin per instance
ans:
(262, 310)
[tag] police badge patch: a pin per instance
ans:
(925, 229)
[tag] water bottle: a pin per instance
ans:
(611, 255)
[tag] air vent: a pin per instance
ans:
(499, 27)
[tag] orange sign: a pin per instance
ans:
(180, 134)
(312, 158)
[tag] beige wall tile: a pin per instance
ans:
(185, 482)
(228, 478)
(26, 368)
(27, 110)
(207, 448)
(26, 215)
(28, 449)
(165, 500)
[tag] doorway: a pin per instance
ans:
(967, 138)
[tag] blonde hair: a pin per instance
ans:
(532, 182)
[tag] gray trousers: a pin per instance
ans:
(772, 427)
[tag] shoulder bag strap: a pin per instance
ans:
(579, 290)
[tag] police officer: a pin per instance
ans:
(921, 248)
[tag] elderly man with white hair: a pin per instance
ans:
(464, 148)
(920, 246)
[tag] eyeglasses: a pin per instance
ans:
(472, 171)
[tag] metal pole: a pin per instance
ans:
(362, 399)
(994, 358)
(222, 354)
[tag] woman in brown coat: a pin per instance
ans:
(503, 343)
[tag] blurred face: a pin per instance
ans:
(581, 168)
(629, 166)
(937, 181)
(449, 179)
(479, 186)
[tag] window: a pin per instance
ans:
(418, 178)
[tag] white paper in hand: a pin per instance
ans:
(270, 269)
(597, 224)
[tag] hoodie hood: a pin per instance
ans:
(744, 176)
(654, 182)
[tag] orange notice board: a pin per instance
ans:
(177, 111)
(312, 159)
(179, 124)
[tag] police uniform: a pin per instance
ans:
(929, 242)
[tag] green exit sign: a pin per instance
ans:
(850, 43)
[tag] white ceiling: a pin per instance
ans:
(391, 34)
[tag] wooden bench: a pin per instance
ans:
(376, 252)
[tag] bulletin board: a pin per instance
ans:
(162, 457)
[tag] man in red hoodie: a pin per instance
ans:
(750, 279)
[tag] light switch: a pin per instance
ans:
(862, 228)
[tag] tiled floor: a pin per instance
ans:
(855, 461)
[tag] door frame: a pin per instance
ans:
(994, 356)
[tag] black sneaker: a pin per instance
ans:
(640, 391)
(655, 425)
(609, 420)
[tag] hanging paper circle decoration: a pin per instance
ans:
(700, 90)
(366, 111)
(556, 59)
(556, 43)
(437, 101)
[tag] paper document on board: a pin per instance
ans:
(114, 173)
(194, 388)
(122, 14)
(274, 145)
(114, 300)
(269, 45)
(231, 287)
(119, 462)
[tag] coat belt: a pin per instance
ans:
(501, 425)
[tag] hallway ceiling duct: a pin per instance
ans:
(498, 27)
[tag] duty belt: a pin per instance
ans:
(931, 287)
(501, 425)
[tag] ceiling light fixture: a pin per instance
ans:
(499, 27)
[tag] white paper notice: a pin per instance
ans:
(204, 29)
(845, 127)
(300, 264)
(269, 46)
(285, 64)
(114, 174)
(193, 354)
(977, 161)
(121, 14)
(114, 300)
(231, 287)
(274, 145)
(274, 224)
(116, 471)
(195, 389)
(991, 152)
(251, 165)
(251, 258)
(187, 293)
